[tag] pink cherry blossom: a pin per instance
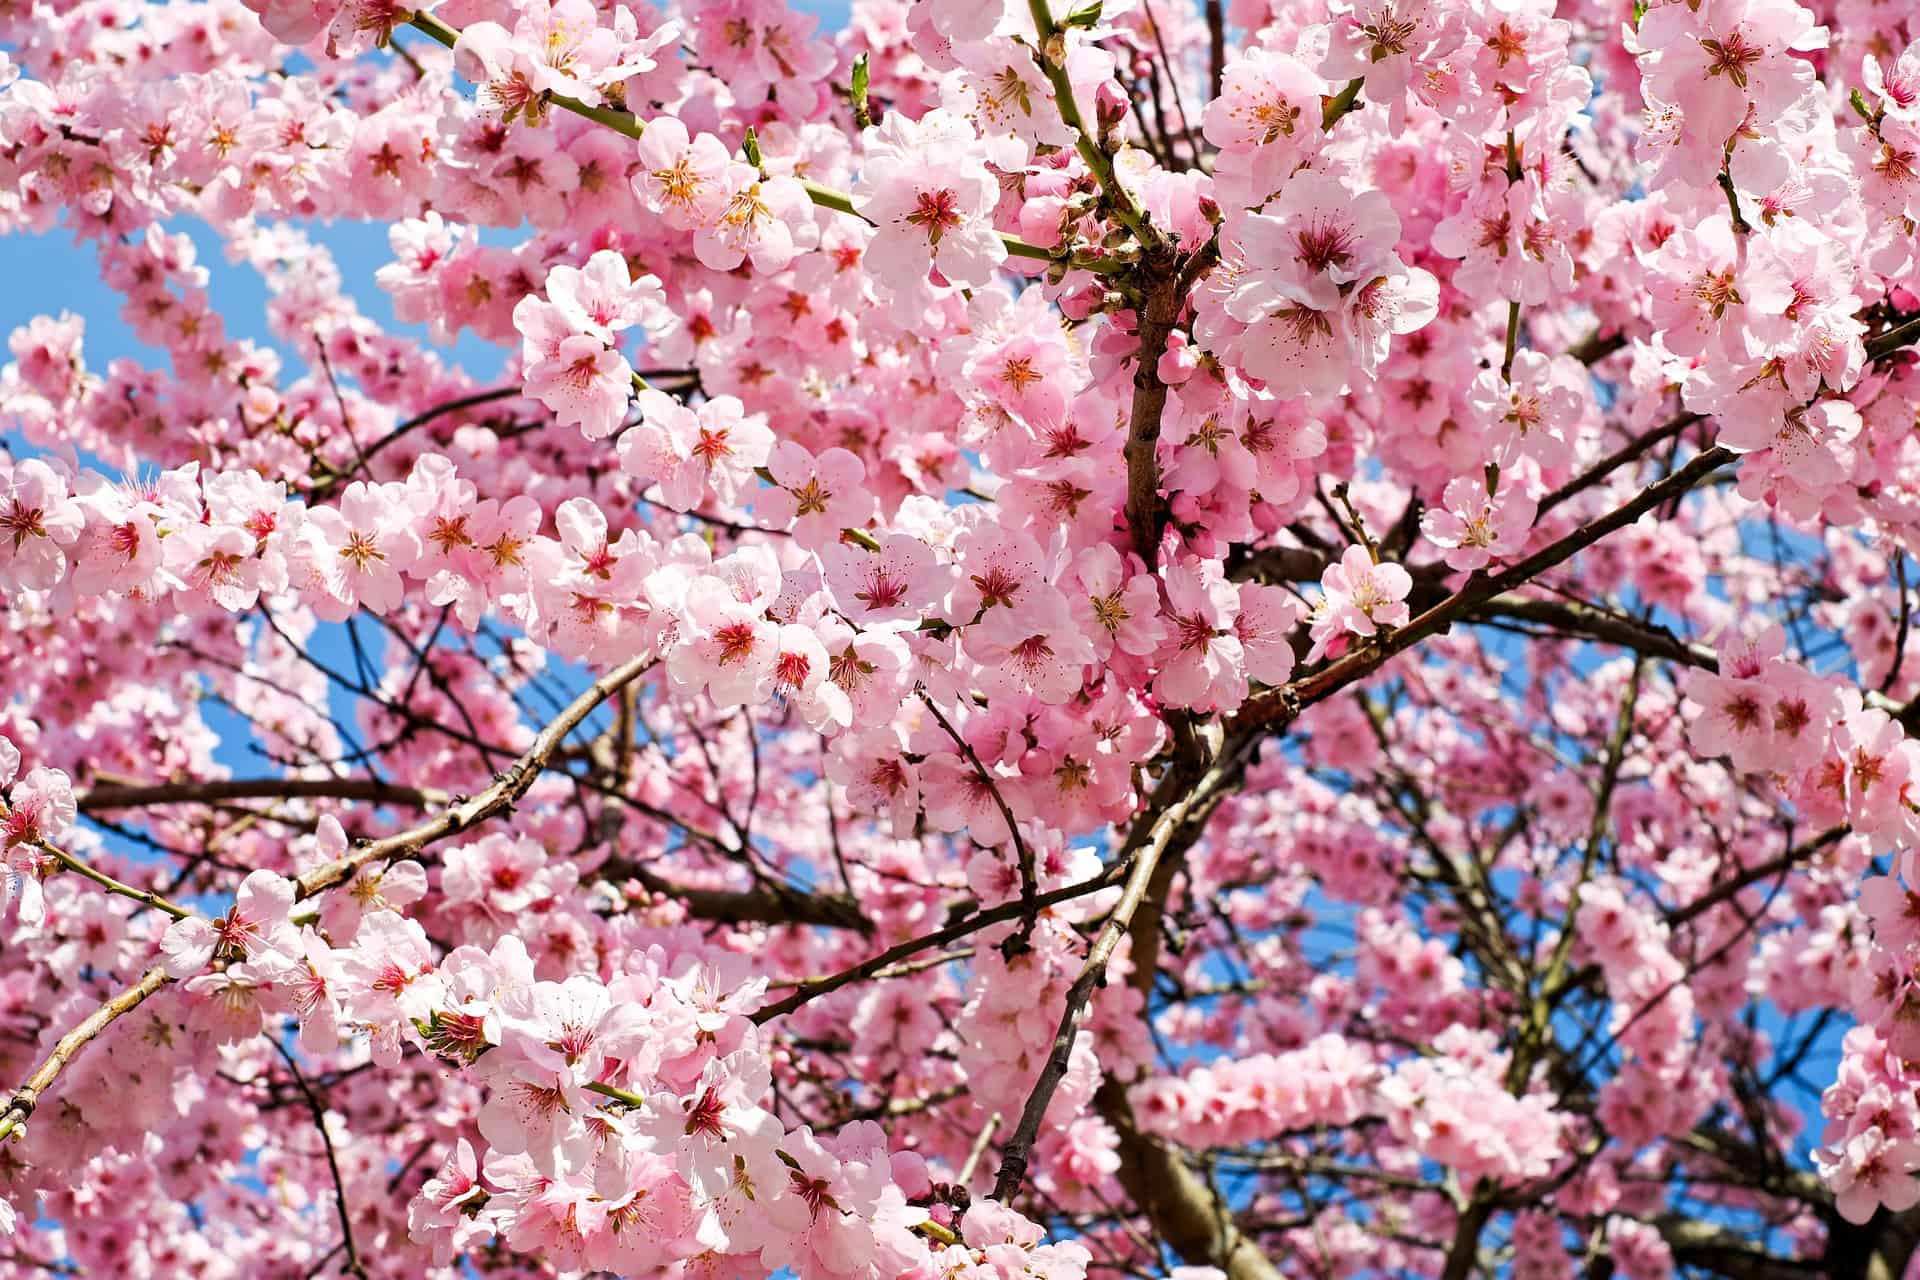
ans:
(1361, 596)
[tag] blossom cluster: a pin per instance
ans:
(1041, 604)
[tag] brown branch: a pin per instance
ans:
(419, 420)
(118, 795)
(1724, 1252)
(1146, 517)
(1143, 856)
(1726, 890)
(1029, 875)
(1186, 1215)
(972, 924)
(1216, 46)
(353, 1266)
(1594, 348)
(768, 904)
(1596, 623)
(1464, 1252)
(1275, 708)
(1634, 448)
(507, 788)
(1906, 622)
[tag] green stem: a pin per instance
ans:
(1130, 214)
(1346, 100)
(142, 896)
(617, 1094)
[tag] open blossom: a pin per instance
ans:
(256, 929)
(38, 521)
(1535, 412)
(1313, 237)
(727, 647)
(1115, 607)
(1389, 42)
(931, 199)
(1871, 1171)
(557, 49)
(890, 586)
(119, 547)
(1264, 626)
(681, 177)
(1202, 664)
(571, 364)
(1035, 643)
(1379, 309)
(1475, 529)
(819, 496)
(718, 1120)
(1362, 595)
(437, 1215)
(766, 220)
(602, 298)
(39, 807)
(387, 979)
(1720, 60)
(217, 562)
(1507, 239)
(1800, 309)
(1761, 711)
(1295, 347)
(1266, 118)
(1695, 289)
(713, 449)
(357, 550)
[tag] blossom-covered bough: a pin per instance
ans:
(1233, 638)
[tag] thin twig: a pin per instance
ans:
(144, 897)
(507, 788)
(1900, 637)
(978, 1150)
(1029, 875)
(27, 1096)
(867, 968)
(1141, 860)
(353, 1266)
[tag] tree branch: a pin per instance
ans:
(107, 796)
(27, 1096)
(972, 924)
(1275, 708)
(1145, 515)
(1143, 854)
(507, 788)
(353, 1266)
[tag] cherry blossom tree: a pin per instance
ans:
(1196, 638)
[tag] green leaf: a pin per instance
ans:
(750, 146)
(1088, 16)
(857, 93)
